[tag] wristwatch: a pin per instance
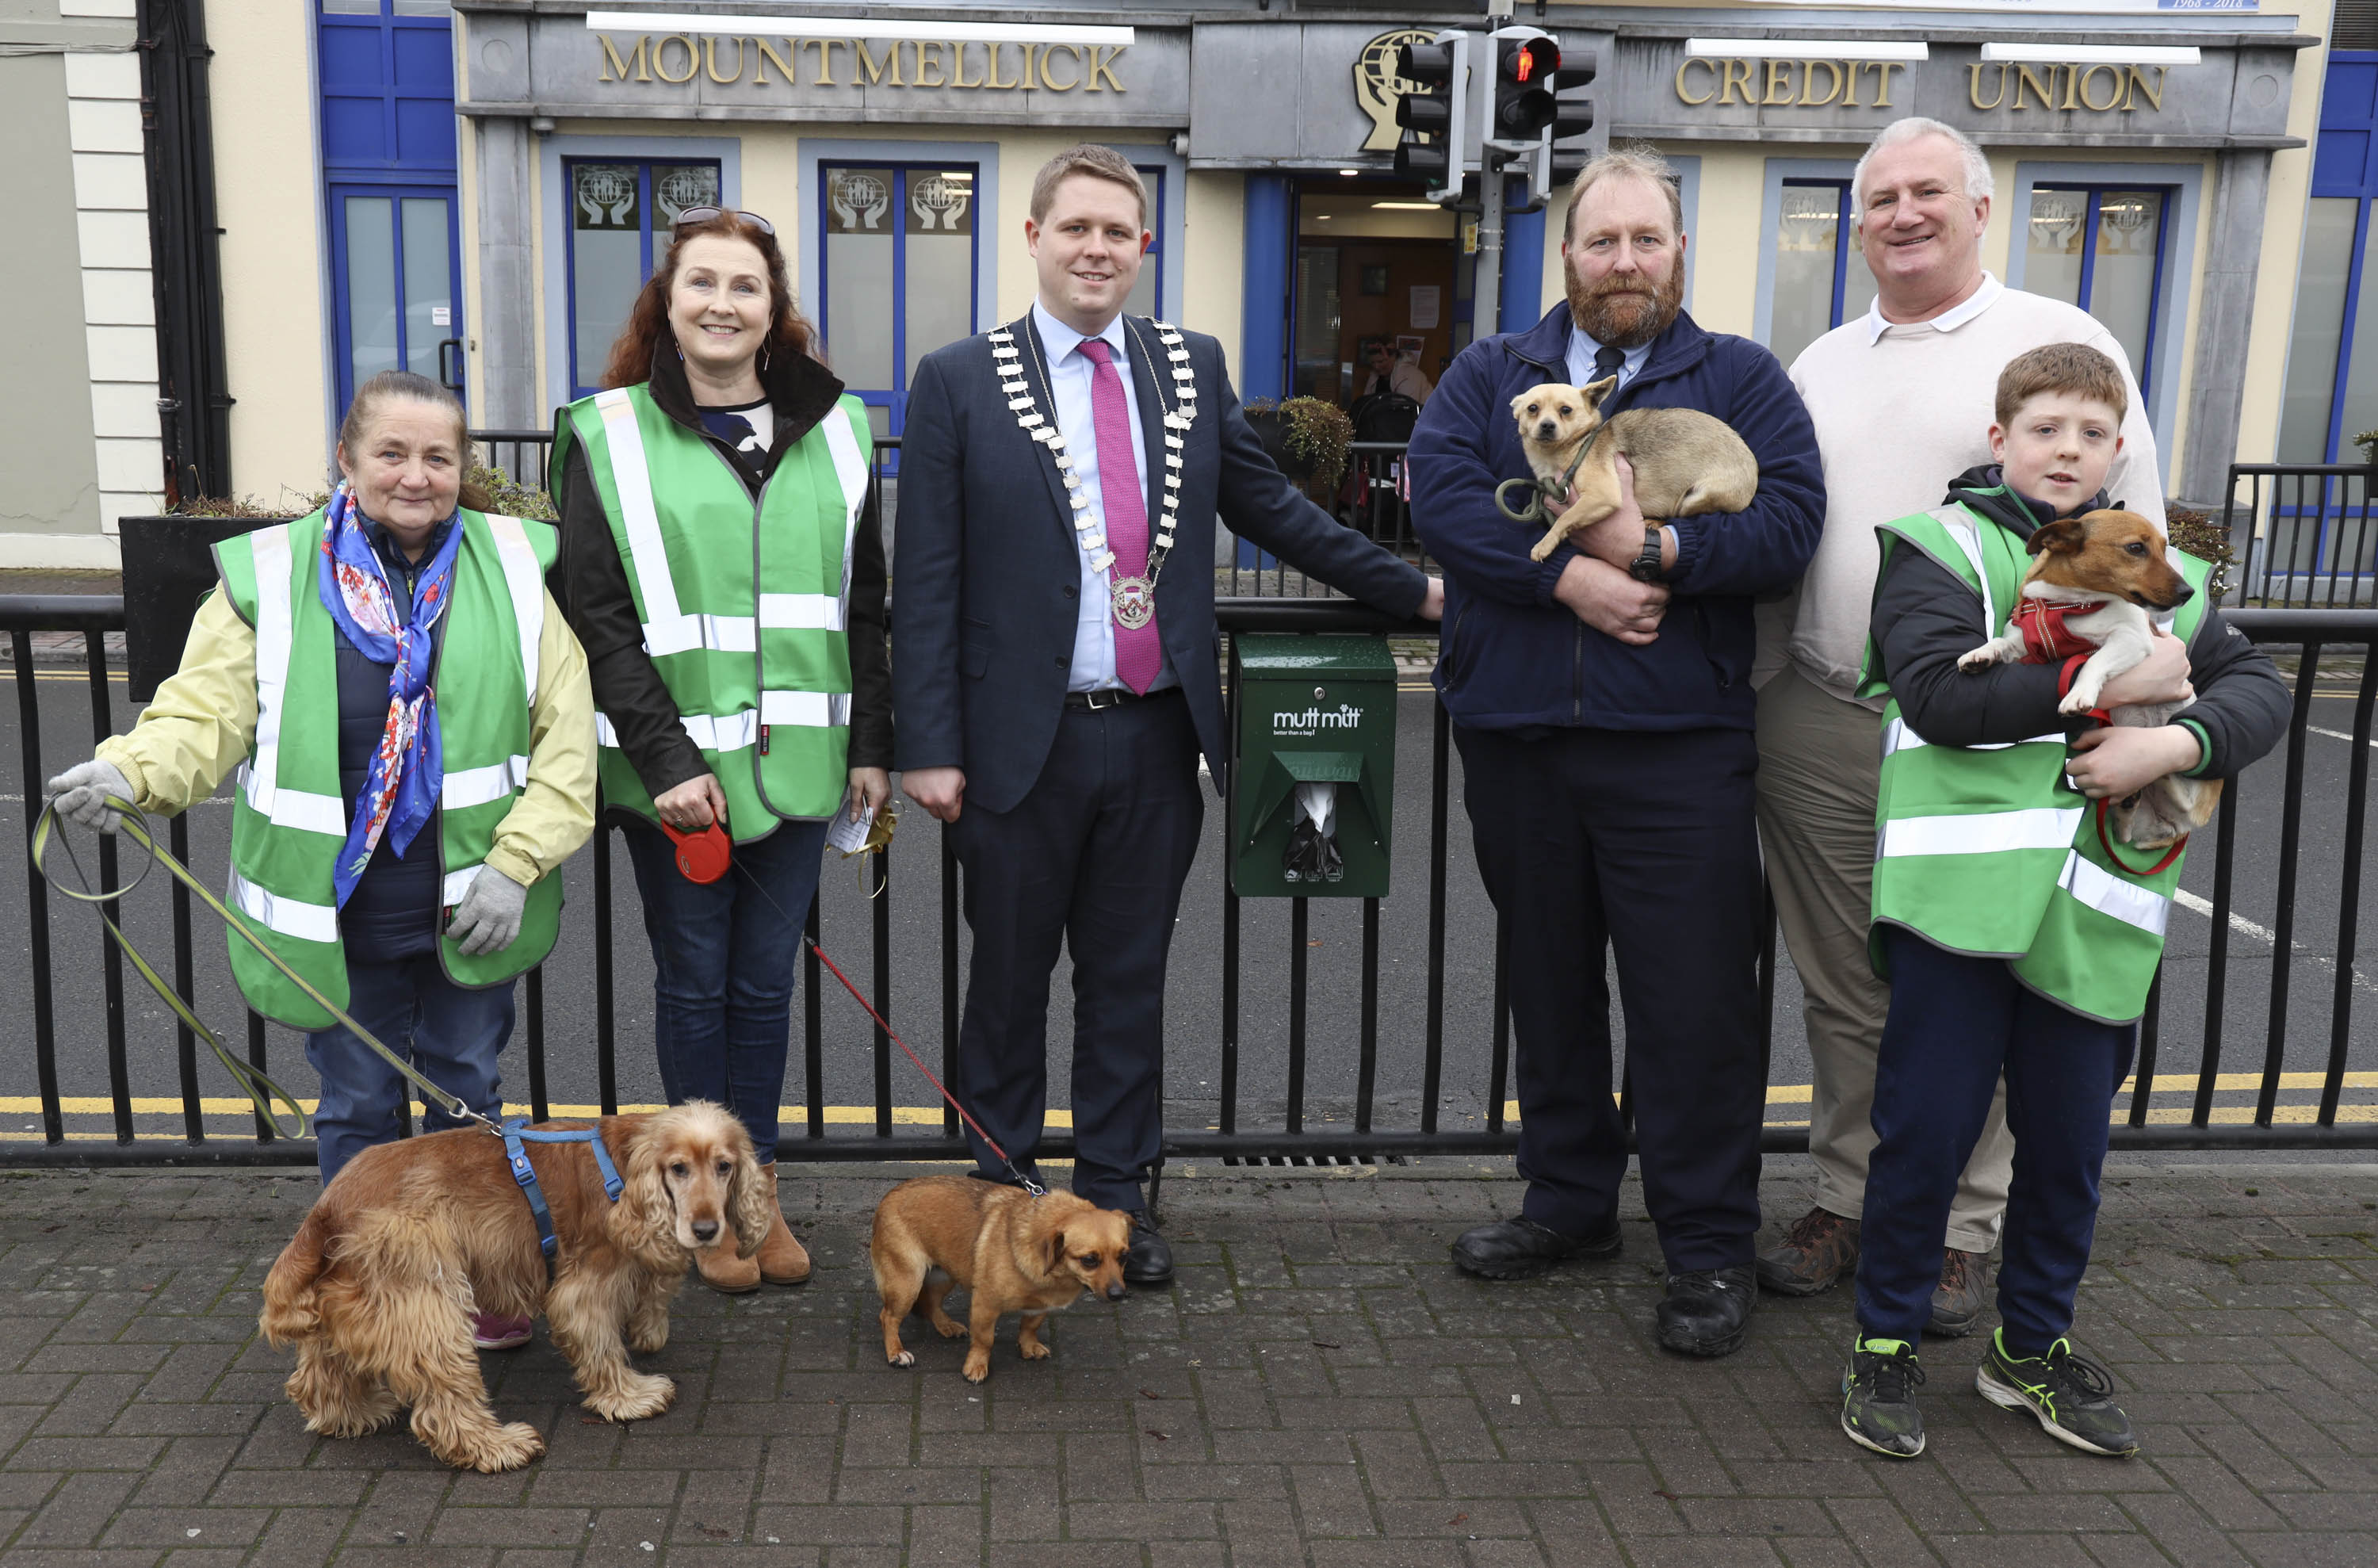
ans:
(1645, 567)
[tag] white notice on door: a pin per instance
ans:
(441, 316)
(1425, 298)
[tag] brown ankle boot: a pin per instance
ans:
(724, 1269)
(783, 1260)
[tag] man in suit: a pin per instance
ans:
(1055, 681)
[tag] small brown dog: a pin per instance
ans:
(378, 1287)
(1012, 1252)
(2098, 578)
(1685, 461)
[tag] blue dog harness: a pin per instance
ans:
(516, 1132)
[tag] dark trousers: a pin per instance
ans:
(1956, 1023)
(1640, 844)
(1094, 858)
(725, 956)
(450, 1035)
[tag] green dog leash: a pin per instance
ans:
(259, 1089)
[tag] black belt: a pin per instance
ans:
(1092, 702)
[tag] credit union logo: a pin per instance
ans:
(1377, 88)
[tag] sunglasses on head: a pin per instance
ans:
(690, 216)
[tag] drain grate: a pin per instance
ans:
(1308, 1161)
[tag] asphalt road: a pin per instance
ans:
(1193, 1002)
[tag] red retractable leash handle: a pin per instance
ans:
(702, 855)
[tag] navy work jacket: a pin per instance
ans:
(1514, 656)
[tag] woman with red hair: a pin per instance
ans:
(723, 559)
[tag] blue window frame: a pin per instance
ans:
(2330, 394)
(900, 245)
(395, 266)
(621, 211)
(1819, 279)
(388, 185)
(1148, 294)
(2104, 247)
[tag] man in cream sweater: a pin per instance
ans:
(1902, 402)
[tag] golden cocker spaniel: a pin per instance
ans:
(378, 1287)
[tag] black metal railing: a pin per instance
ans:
(2304, 535)
(1368, 1079)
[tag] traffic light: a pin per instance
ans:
(1433, 147)
(1572, 117)
(1526, 60)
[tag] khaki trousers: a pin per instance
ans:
(1820, 768)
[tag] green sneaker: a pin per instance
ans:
(1877, 1399)
(2072, 1396)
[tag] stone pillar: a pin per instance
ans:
(512, 395)
(2225, 325)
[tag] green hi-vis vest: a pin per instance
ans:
(745, 606)
(289, 819)
(1988, 850)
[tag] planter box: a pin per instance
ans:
(169, 566)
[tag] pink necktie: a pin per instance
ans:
(1139, 655)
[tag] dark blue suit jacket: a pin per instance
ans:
(986, 572)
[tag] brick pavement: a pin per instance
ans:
(1318, 1388)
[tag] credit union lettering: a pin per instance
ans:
(1867, 84)
(856, 62)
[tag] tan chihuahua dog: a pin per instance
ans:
(1012, 1252)
(2096, 582)
(1685, 461)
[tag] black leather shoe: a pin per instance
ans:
(1149, 1261)
(1708, 1311)
(1520, 1249)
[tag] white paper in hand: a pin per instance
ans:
(845, 834)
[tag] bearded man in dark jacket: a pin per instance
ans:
(1602, 703)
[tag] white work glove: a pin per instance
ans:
(81, 794)
(488, 917)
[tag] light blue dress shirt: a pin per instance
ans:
(1581, 350)
(1069, 383)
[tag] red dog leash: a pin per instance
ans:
(705, 856)
(2105, 720)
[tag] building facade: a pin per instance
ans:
(476, 190)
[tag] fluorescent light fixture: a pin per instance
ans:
(1405, 207)
(2089, 55)
(1349, 173)
(1802, 49)
(860, 27)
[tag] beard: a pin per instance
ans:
(1621, 312)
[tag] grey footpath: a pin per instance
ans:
(1318, 1387)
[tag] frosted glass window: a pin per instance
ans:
(2122, 277)
(428, 284)
(1808, 239)
(900, 246)
(861, 234)
(676, 187)
(1147, 298)
(2052, 260)
(371, 286)
(2319, 330)
(937, 286)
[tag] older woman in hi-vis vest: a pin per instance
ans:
(723, 560)
(394, 838)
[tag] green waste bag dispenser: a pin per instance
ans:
(1314, 766)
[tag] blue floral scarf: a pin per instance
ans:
(408, 768)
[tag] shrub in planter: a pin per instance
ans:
(1307, 436)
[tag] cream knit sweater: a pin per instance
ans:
(1900, 412)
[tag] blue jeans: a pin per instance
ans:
(449, 1034)
(724, 958)
(1955, 1023)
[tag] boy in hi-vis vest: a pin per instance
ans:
(2019, 936)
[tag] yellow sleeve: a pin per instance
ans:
(201, 722)
(556, 810)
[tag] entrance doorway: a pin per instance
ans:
(1376, 262)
